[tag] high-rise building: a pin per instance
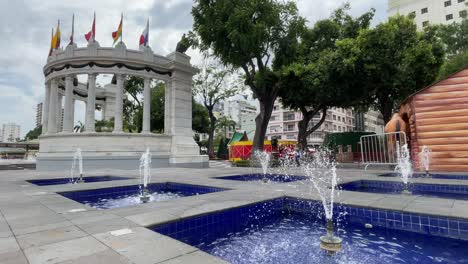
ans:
(427, 12)
(10, 132)
(243, 113)
(370, 121)
(39, 114)
(284, 124)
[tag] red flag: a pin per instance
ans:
(92, 34)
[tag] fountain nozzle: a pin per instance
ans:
(145, 196)
(405, 189)
(330, 243)
(80, 179)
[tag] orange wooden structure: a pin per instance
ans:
(437, 117)
(242, 150)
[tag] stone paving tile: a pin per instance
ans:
(105, 257)
(81, 218)
(49, 236)
(14, 257)
(8, 244)
(197, 257)
(63, 251)
(156, 247)
(38, 223)
(106, 225)
(154, 217)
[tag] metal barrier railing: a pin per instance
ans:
(381, 149)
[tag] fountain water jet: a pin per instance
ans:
(77, 157)
(322, 173)
(145, 175)
(263, 158)
(404, 167)
(425, 159)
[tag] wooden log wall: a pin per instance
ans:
(440, 113)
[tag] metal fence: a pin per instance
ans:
(381, 149)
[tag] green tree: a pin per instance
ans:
(395, 60)
(34, 133)
(321, 75)
(455, 39)
(200, 119)
(226, 123)
(212, 87)
(247, 34)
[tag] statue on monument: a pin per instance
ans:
(184, 44)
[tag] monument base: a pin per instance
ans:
(114, 151)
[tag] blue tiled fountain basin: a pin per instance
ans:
(431, 175)
(260, 177)
(287, 230)
(122, 196)
(459, 192)
(57, 181)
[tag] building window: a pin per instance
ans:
(290, 136)
(339, 118)
(275, 108)
(425, 23)
(447, 3)
(461, 1)
(463, 13)
(424, 10)
(334, 127)
(449, 17)
(290, 128)
(273, 118)
(334, 117)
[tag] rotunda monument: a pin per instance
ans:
(116, 149)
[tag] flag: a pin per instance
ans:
(118, 34)
(92, 34)
(51, 42)
(56, 39)
(145, 35)
(73, 30)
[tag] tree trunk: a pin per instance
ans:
(262, 120)
(304, 123)
(301, 135)
(386, 108)
(211, 134)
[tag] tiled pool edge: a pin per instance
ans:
(442, 226)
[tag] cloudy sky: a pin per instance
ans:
(25, 28)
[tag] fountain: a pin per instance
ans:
(145, 175)
(404, 167)
(425, 159)
(322, 173)
(77, 157)
(263, 158)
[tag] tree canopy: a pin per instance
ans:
(321, 74)
(248, 34)
(394, 60)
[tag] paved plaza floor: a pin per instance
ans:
(39, 226)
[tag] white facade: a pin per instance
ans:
(284, 124)
(429, 11)
(10, 132)
(243, 113)
(371, 121)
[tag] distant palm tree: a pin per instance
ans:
(226, 123)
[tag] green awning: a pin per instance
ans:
(238, 136)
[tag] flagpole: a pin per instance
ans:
(121, 33)
(94, 27)
(147, 32)
(72, 41)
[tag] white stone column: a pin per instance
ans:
(118, 119)
(91, 103)
(169, 107)
(59, 112)
(52, 120)
(68, 111)
(45, 109)
(146, 106)
(73, 113)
